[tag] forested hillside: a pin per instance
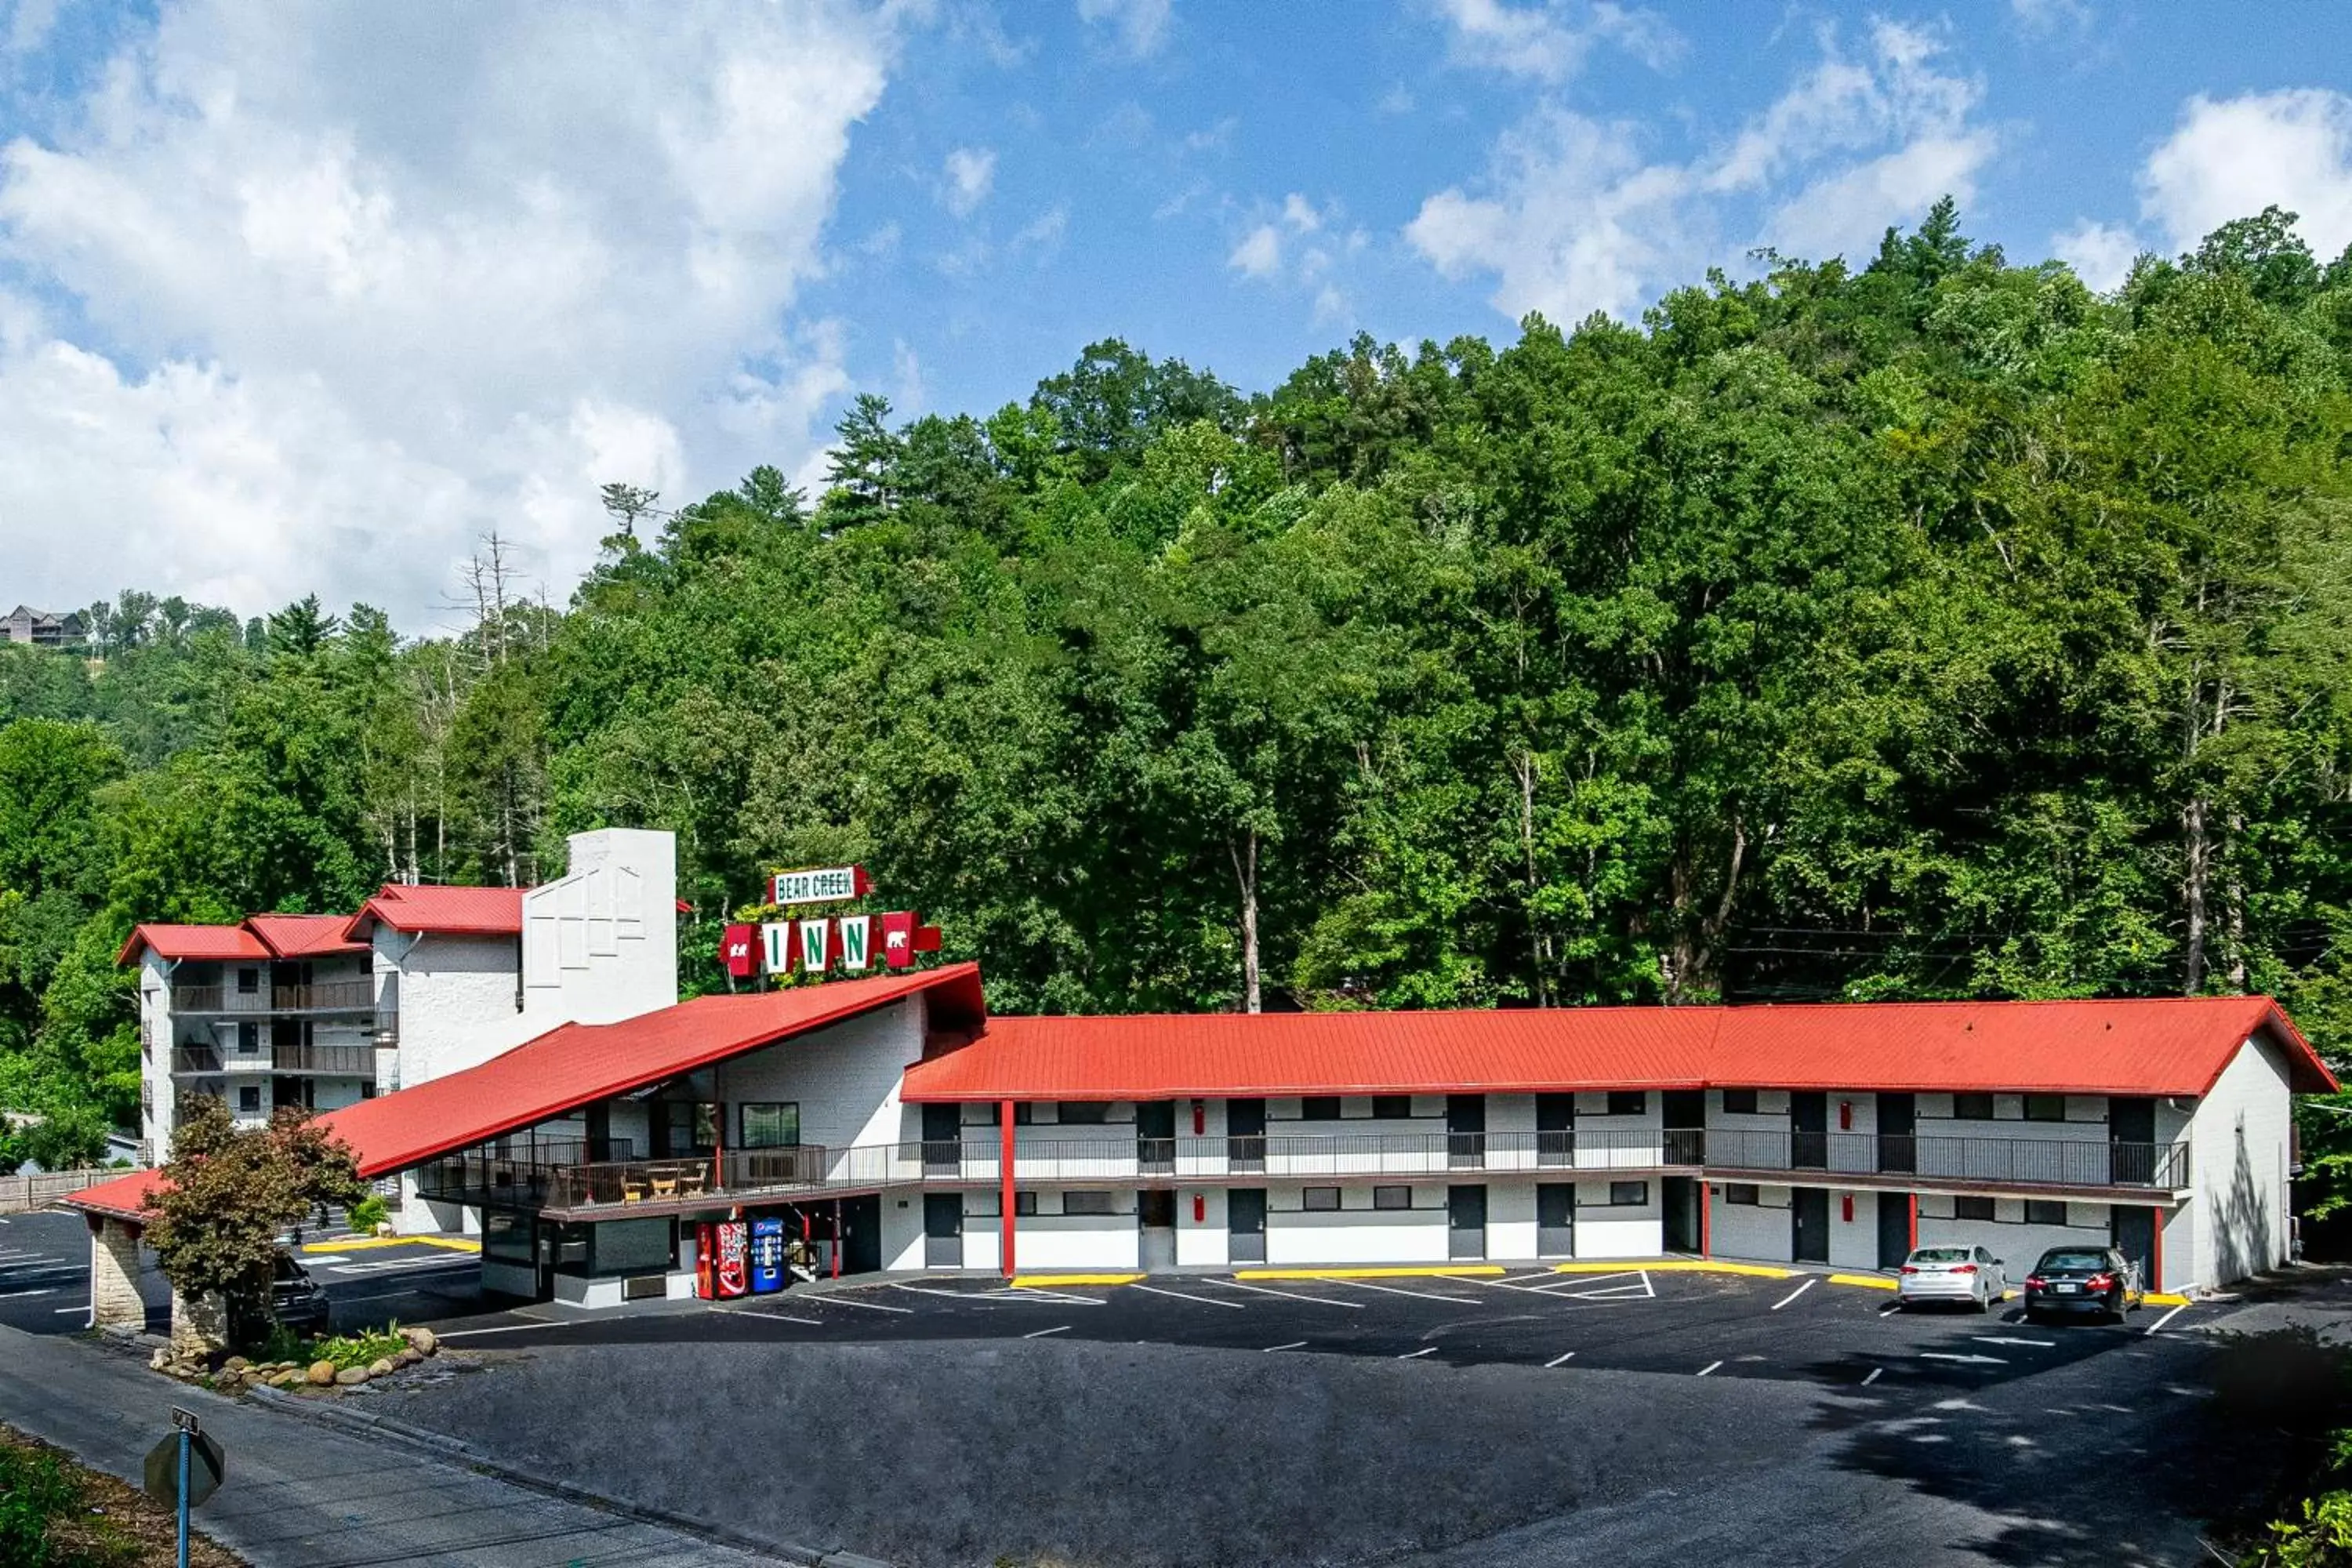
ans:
(1927, 628)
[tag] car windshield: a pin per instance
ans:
(2056, 1260)
(1940, 1255)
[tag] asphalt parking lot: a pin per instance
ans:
(1630, 1415)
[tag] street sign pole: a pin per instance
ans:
(184, 1498)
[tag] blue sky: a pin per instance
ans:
(298, 299)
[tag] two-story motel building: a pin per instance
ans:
(896, 1125)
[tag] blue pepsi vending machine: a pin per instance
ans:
(767, 1256)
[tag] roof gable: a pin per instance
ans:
(455, 911)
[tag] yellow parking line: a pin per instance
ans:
(2163, 1299)
(1429, 1271)
(1047, 1281)
(1676, 1266)
(1866, 1281)
(361, 1243)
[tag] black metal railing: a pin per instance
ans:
(2008, 1162)
(355, 995)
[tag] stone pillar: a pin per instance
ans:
(114, 1300)
(199, 1324)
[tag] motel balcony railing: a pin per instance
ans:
(333, 1061)
(560, 1179)
(356, 995)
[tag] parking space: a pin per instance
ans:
(1804, 1328)
(45, 1274)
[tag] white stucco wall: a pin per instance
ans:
(599, 942)
(844, 1078)
(2239, 1145)
(1357, 1233)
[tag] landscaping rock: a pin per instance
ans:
(235, 1364)
(285, 1379)
(350, 1377)
(421, 1340)
(381, 1367)
(408, 1357)
(321, 1373)
(160, 1360)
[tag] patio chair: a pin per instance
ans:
(633, 1188)
(665, 1180)
(691, 1180)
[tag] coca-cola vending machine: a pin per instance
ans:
(722, 1267)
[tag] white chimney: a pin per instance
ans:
(600, 944)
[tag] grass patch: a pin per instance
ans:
(56, 1513)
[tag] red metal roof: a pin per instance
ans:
(455, 911)
(579, 1064)
(177, 941)
(303, 936)
(2143, 1047)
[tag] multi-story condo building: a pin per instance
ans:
(324, 1011)
(892, 1123)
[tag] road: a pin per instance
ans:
(1634, 1417)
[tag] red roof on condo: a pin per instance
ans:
(453, 911)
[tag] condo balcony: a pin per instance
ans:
(354, 995)
(323, 1062)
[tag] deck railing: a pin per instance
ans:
(356, 995)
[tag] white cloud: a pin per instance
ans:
(1137, 26)
(1043, 233)
(2100, 254)
(1300, 214)
(1545, 43)
(371, 281)
(1572, 217)
(2039, 18)
(970, 172)
(2232, 157)
(1259, 254)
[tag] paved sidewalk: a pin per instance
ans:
(306, 1495)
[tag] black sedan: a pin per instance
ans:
(2071, 1279)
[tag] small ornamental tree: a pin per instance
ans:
(228, 1193)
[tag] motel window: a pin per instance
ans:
(1392, 1197)
(1022, 1113)
(1972, 1107)
(506, 1236)
(248, 1098)
(1084, 1113)
(2044, 1211)
(1740, 1102)
(1972, 1208)
(1319, 1108)
(1628, 1102)
(248, 981)
(2046, 1108)
(367, 1089)
(1391, 1108)
(1629, 1194)
(773, 1124)
(1319, 1200)
(1086, 1203)
(1744, 1193)
(249, 1039)
(1025, 1203)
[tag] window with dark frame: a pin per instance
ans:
(1392, 1106)
(249, 1098)
(1083, 1112)
(1972, 1208)
(1086, 1202)
(248, 981)
(1025, 1203)
(771, 1124)
(249, 1039)
(1972, 1107)
(1319, 1200)
(1628, 1102)
(1628, 1195)
(2046, 1108)
(1740, 1102)
(1746, 1194)
(1392, 1197)
(2044, 1211)
(1319, 1108)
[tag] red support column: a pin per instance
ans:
(1005, 1184)
(1914, 1220)
(1707, 1220)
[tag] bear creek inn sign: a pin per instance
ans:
(817, 945)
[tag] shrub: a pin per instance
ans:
(369, 1212)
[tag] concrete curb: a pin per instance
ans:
(451, 1450)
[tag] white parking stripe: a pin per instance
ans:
(10, 1295)
(1792, 1295)
(2166, 1318)
(1889, 1309)
(1416, 1355)
(779, 1317)
(2033, 1344)
(1291, 1346)
(847, 1302)
(1980, 1360)
(1400, 1290)
(506, 1328)
(1558, 1360)
(1288, 1295)
(1041, 1334)
(1708, 1368)
(1182, 1296)
(61, 1311)
(1876, 1374)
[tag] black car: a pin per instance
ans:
(297, 1300)
(2070, 1279)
